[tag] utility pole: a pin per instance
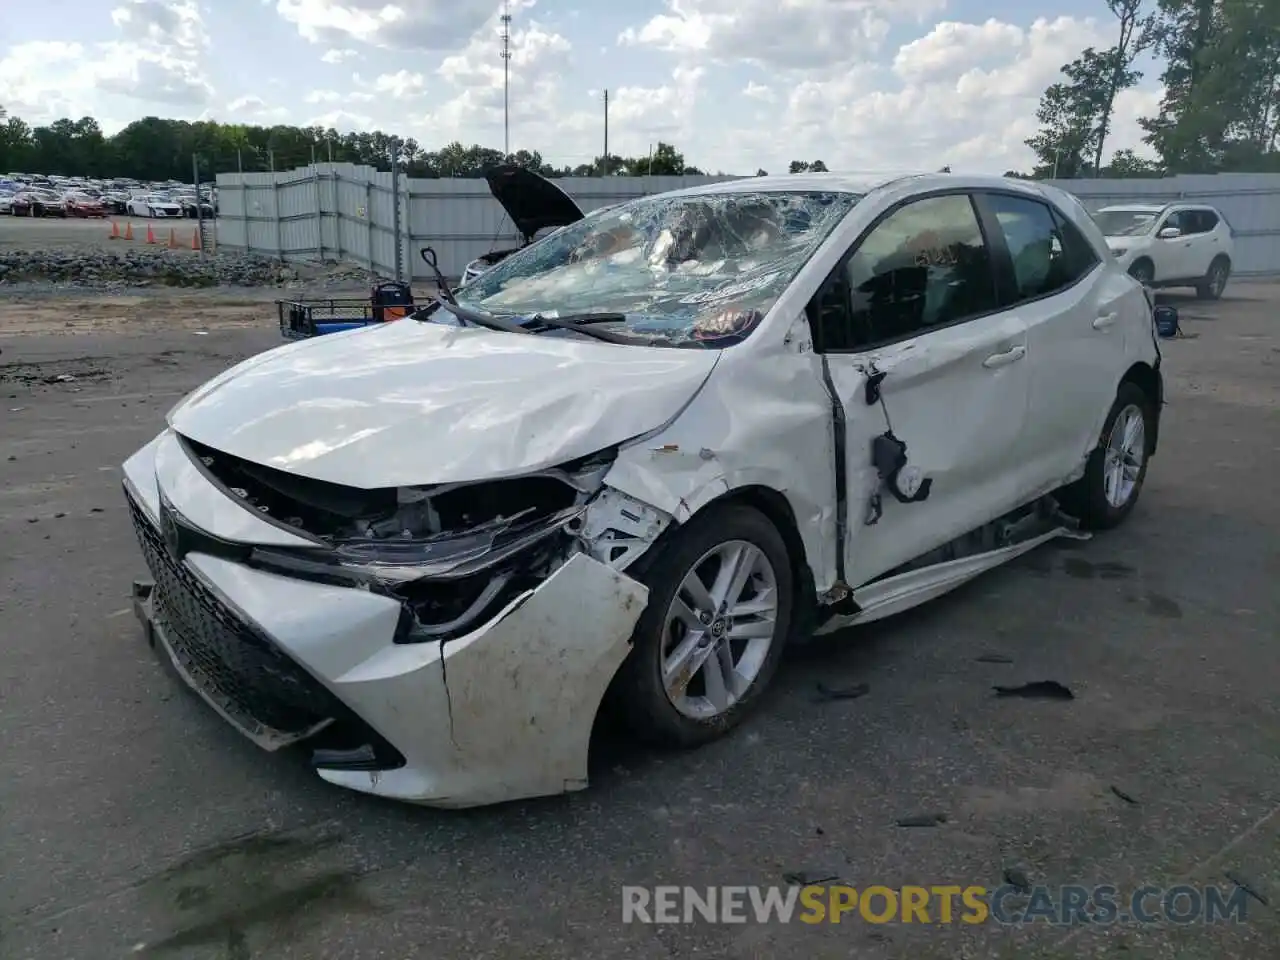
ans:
(606, 133)
(506, 78)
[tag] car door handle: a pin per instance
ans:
(1001, 359)
(1105, 320)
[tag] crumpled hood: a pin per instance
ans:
(408, 402)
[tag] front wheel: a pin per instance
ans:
(1117, 467)
(709, 641)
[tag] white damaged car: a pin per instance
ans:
(630, 462)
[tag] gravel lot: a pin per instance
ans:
(139, 824)
(28, 233)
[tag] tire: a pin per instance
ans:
(1092, 499)
(638, 692)
(151, 212)
(1215, 279)
(1142, 270)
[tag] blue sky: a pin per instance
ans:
(736, 84)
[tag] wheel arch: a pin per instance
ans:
(1148, 379)
(779, 511)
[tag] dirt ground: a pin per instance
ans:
(136, 823)
(72, 235)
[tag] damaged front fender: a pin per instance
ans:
(505, 712)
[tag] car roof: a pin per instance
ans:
(1154, 207)
(863, 183)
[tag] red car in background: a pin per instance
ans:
(83, 205)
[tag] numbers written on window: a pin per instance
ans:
(1049, 254)
(923, 266)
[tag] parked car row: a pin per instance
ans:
(43, 197)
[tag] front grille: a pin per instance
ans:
(255, 683)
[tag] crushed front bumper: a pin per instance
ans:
(502, 713)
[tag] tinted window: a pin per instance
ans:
(1181, 219)
(1079, 257)
(1044, 261)
(1205, 221)
(923, 266)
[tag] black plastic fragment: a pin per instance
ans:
(1246, 886)
(1127, 798)
(826, 693)
(1017, 878)
(994, 658)
(808, 878)
(1039, 690)
(923, 820)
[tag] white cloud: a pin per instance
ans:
(158, 57)
(733, 84)
(962, 94)
(253, 109)
(404, 24)
(796, 34)
(342, 121)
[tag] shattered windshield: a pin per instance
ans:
(687, 270)
(1124, 223)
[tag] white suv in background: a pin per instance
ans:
(1171, 245)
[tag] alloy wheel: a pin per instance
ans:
(719, 629)
(1125, 454)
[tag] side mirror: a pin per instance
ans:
(1166, 320)
(1169, 233)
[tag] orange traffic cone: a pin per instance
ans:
(151, 234)
(128, 230)
(173, 239)
(195, 238)
(115, 231)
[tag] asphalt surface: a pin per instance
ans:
(136, 823)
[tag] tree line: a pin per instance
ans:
(156, 149)
(1221, 108)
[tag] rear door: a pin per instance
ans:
(1206, 241)
(914, 305)
(1071, 306)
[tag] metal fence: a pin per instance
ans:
(341, 211)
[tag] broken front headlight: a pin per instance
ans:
(454, 553)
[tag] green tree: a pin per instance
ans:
(1126, 164)
(1137, 33)
(1221, 108)
(1073, 113)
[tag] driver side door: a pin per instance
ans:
(1174, 257)
(916, 300)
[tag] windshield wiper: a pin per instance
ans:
(448, 301)
(581, 323)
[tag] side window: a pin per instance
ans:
(1181, 219)
(923, 266)
(1206, 221)
(1048, 252)
(1034, 244)
(1078, 254)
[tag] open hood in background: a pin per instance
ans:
(532, 202)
